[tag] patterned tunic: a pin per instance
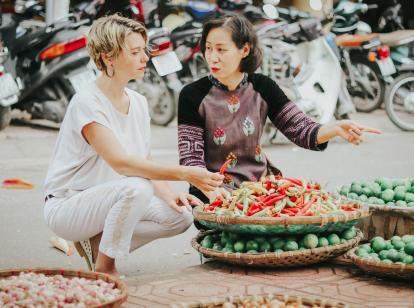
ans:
(215, 124)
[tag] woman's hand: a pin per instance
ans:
(202, 178)
(348, 130)
(178, 200)
(219, 193)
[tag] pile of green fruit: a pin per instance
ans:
(245, 243)
(382, 191)
(398, 250)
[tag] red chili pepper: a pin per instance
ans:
(216, 204)
(306, 207)
(254, 208)
(272, 201)
(294, 181)
(293, 199)
(286, 211)
(267, 198)
(268, 185)
(276, 215)
(239, 206)
(224, 166)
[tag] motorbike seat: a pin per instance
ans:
(356, 40)
(201, 9)
(397, 38)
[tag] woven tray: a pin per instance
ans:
(296, 301)
(275, 259)
(387, 221)
(77, 273)
(335, 222)
(378, 268)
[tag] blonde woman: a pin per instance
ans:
(102, 187)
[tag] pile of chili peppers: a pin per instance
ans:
(276, 196)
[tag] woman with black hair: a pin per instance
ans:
(222, 116)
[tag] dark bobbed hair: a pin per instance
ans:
(242, 32)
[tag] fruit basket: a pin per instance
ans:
(393, 258)
(278, 205)
(391, 202)
(274, 257)
(40, 287)
(331, 222)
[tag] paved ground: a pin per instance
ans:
(168, 271)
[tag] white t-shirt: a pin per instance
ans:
(75, 166)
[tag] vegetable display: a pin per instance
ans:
(277, 196)
(392, 192)
(399, 250)
(39, 290)
(246, 243)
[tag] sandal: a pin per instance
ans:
(85, 251)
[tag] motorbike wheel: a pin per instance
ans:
(369, 94)
(399, 102)
(5, 117)
(161, 102)
(53, 101)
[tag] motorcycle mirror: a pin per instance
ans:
(270, 11)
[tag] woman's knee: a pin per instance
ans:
(184, 222)
(137, 188)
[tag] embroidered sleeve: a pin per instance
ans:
(286, 116)
(298, 127)
(191, 145)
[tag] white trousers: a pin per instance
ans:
(126, 211)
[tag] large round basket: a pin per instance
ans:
(276, 259)
(378, 268)
(334, 222)
(387, 221)
(70, 273)
(268, 300)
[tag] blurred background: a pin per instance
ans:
(332, 58)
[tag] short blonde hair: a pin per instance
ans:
(107, 35)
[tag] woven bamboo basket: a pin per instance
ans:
(68, 273)
(334, 222)
(270, 299)
(386, 221)
(276, 259)
(378, 268)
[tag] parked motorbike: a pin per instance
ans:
(186, 45)
(160, 84)
(364, 58)
(399, 97)
(303, 63)
(46, 64)
(399, 100)
(172, 14)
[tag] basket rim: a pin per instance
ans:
(377, 264)
(278, 255)
(335, 217)
(49, 271)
